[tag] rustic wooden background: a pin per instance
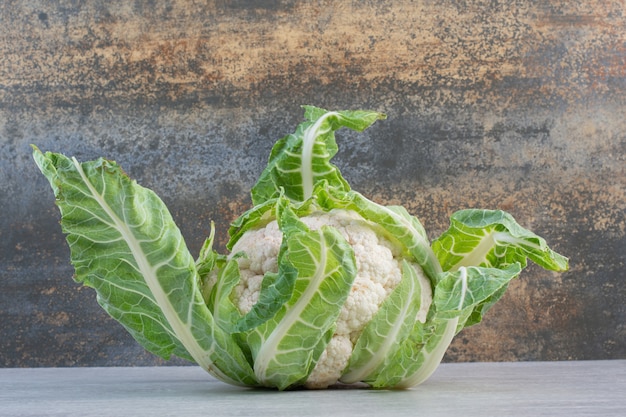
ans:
(518, 105)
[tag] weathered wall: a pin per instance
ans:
(518, 105)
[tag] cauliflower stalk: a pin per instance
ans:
(320, 286)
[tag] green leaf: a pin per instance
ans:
(480, 254)
(299, 160)
(415, 354)
(254, 218)
(225, 313)
(469, 287)
(393, 222)
(259, 216)
(286, 347)
(492, 238)
(208, 259)
(125, 245)
(457, 295)
(388, 329)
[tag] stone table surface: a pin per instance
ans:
(576, 388)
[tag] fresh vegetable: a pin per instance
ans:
(321, 285)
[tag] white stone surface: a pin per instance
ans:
(584, 388)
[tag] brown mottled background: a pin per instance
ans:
(518, 105)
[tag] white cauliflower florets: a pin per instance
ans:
(379, 271)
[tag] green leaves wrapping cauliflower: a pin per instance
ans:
(321, 286)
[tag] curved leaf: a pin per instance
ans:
(456, 296)
(287, 347)
(125, 245)
(299, 160)
(492, 238)
(394, 222)
(390, 326)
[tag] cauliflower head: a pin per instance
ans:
(378, 273)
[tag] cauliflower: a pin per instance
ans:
(321, 285)
(378, 272)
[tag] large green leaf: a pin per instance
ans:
(456, 295)
(286, 347)
(492, 238)
(125, 245)
(300, 160)
(390, 326)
